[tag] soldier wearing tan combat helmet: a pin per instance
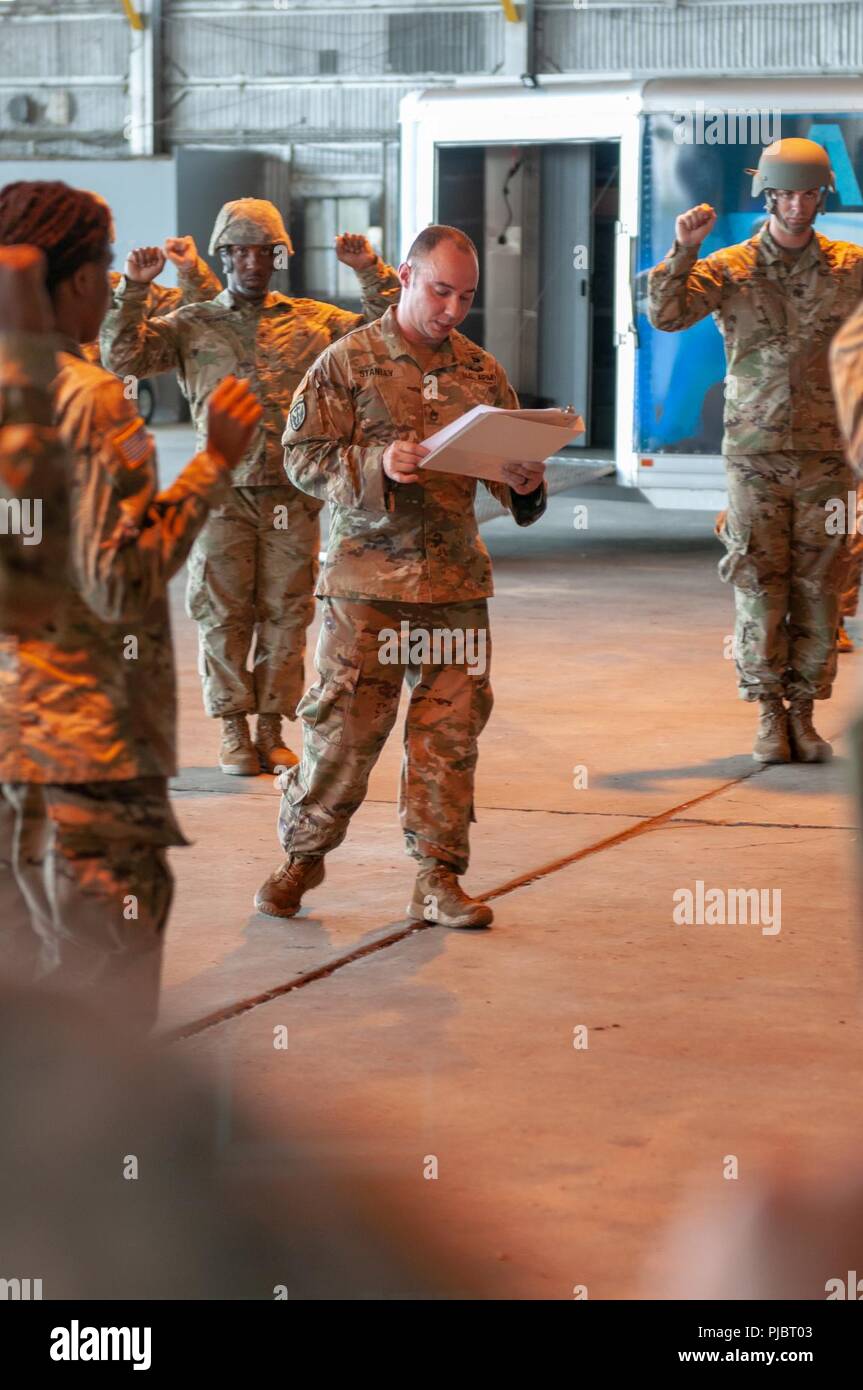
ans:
(777, 299)
(253, 568)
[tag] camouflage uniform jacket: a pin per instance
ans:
(89, 695)
(34, 484)
(195, 285)
(271, 344)
(777, 320)
(417, 542)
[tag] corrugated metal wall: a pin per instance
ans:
(299, 73)
(702, 37)
(73, 70)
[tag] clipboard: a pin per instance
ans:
(481, 441)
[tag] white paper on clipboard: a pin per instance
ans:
(481, 441)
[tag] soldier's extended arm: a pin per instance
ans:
(682, 289)
(846, 370)
(129, 539)
(34, 484)
(319, 456)
(133, 344)
(379, 286)
(526, 508)
(197, 284)
(165, 298)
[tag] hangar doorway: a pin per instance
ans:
(543, 218)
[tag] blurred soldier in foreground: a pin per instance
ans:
(404, 557)
(252, 571)
(794, 1230)
(850, 598)
(777, 299)
(846, 368)
(34, 482)
(87, 719)
(156, 1185)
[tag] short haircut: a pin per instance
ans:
(70, 227)
(431, 237)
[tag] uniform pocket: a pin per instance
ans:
(737, 565)
(326, 707)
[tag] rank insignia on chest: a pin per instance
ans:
(298, 414)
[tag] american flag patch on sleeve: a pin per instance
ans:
(133, 443)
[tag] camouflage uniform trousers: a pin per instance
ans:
(787, 571)
(252, 573)
(350, 710)
(85, 890)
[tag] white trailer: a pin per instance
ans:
(570, 190)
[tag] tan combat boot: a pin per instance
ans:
(438, 898)
(843, 641)
(808, 745)
(281, 894)
(237, 757)
(771, 741)
(268, 741)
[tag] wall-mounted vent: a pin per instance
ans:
(438, 43)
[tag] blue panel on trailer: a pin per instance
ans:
(680, 375)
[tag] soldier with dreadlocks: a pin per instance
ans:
(87, 721)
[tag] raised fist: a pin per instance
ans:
(144, 264)
(693, 226)
(355, 250)
(181, 251)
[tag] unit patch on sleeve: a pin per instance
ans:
(298, 414)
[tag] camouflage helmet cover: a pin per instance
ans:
(794, 165)
(250, 222)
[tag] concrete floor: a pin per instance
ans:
(557, 1165)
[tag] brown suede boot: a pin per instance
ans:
(268, 741)
(438, 898)
(236, 755)
(771, 741)
(809, 746)
(281, 894)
